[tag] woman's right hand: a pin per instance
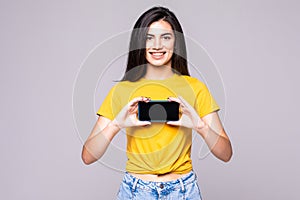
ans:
(127, 117)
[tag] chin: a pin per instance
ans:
(158, 63)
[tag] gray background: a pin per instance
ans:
(43, 43)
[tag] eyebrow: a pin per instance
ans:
(164, 34)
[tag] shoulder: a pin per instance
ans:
(194, 81)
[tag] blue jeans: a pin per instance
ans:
(184, 188)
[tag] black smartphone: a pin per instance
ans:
(158, 111)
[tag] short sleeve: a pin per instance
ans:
(205, 103)
(110, 106)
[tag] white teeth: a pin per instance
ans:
(157, 54)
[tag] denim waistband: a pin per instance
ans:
(134, 182)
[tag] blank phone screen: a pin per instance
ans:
(158, 111)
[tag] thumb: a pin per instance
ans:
(174, 123)
(143, 123)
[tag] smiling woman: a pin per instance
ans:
(148, 34)
(160, 44)
(159, 161)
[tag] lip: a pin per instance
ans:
(157, 55)
(153, 52)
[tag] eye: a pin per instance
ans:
(149, 37)
(167, 37)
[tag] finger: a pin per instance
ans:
(174, 99)
(146, 99)
(174, 123)
(137, 99)
(135, 109)
(184, 102)
(143, 123)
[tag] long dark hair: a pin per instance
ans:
(136, 63)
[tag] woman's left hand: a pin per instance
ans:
(189, 117)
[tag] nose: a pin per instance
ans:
(157, 43)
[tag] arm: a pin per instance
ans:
(105, 130)
(209, 127)
(99, 139)
(215, 136)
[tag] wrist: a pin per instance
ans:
(113, 128)
(199, 124)
(201, 128)
(115, 125)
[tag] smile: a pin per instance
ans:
(157, 55)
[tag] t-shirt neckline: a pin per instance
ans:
(160, 80)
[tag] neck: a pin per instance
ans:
(158, 72)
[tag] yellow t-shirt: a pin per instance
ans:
(159, 148)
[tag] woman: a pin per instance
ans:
(159, 154)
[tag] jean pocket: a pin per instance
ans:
(192, 191)
(125, 192)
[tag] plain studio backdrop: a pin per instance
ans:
(44, 44)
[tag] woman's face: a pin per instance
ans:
(160, 43)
